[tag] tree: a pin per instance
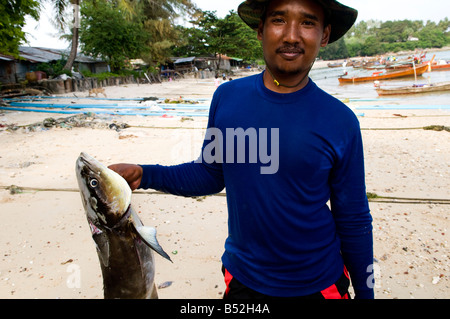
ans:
(75, 30)
(371, 46)
(106, 33)
(122, 29)
(158, 18)
(374, 37)
(60, 21)
(12, 20)
(157, 14)
(336, 50)
(192, 42)
(241, 41)
(211, 35)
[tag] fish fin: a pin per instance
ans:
(148, 235)
(102, 245)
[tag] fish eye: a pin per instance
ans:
(93, 183)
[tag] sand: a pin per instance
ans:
(46, 246)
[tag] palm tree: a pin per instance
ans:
(76, 26)
(59, 20)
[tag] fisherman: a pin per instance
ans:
(283, 238)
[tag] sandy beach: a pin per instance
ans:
(46, 245)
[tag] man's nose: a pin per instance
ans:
(292, 33)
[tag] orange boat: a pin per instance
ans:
(418, 70)
(440, 67)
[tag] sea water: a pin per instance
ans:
(327, 79)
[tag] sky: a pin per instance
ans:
(43, 34)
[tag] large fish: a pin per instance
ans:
(123, 243)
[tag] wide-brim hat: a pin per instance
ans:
(340, 16)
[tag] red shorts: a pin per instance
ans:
(236, 290)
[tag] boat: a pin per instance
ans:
(416, 71)
(335, 65)
(341, 64)
(399, 66)
(414, 89)
(440, 66)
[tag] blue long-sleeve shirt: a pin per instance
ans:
(282, 158)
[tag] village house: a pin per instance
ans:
(14, 70)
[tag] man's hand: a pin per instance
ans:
(130, 172)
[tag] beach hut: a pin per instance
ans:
(7, 69)
(13, 70)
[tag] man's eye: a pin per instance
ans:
(309, 23)
(277, 20)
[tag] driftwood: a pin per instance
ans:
(10, 93)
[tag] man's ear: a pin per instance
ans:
(260, 30)
(326, 36)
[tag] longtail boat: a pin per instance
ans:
(418, 70)
(415, 89)
(440, 67)
(335, 65)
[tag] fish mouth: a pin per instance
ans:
(89, 161)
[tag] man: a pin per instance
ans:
(283, 239)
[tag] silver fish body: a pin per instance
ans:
(124, 244)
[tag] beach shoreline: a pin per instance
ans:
(46, 244)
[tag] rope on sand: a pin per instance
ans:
(429, 128)
(372, 197)
(402, 200)
(437, 128)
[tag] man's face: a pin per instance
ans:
(292, 34)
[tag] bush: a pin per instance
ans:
(53, 68)
(105, 75)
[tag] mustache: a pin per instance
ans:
(290, 49)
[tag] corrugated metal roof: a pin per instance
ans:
(36, 54)
(6, 57)
(183, 60)
(86, 59)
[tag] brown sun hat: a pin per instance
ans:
(340, 16)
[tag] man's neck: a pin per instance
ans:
(285, 85)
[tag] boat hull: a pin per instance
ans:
(419, 70)
(440, 67)
(438, 87)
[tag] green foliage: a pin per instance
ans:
(54, 68)
(12, 20)
(369, 38)
(117, 30)
(100, 76)
(158, 17)
(106, 75)
(336, 50)
(106, 33)
(211, 35)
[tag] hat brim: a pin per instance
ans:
(341, 17)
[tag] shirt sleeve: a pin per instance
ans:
(196, 178)
(351, 212)
(189, 179)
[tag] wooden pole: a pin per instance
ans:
(415, 73)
